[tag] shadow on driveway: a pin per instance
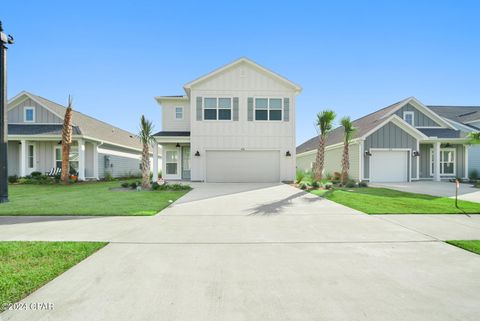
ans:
(274, 208)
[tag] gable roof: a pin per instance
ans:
(268, 72)
(461, 114)
(368, 123)
(363, 125)
(89, 126)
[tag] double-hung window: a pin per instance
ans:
(73, 157)
(178, 113)
(217, 109)
(268, 109)
(171, 162)
(447, 161)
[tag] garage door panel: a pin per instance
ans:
(389, 166)
(243, 166)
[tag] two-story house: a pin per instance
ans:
(235, 124)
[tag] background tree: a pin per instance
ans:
(324, 125)
(348, 131)
(67, 141)
(474, 138)
(146, 138)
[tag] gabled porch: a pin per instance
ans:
(443, 159)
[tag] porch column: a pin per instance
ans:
(81, 159)
(466, 171)
(23, 158)
(95, 161)
(436, 161)
(155, 162)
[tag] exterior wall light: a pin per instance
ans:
(197, 153)
(367, 153)
(416, 153)
(288, 153)
(178, 145)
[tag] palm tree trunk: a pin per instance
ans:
(345, 162)
(145, 167)
(319, 161)
(66, 142)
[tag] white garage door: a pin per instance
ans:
(389, 166)
(243, 166)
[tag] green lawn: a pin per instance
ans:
(472, 246)
(386, 201)
(85, 199)
(26, 266)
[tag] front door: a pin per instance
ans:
(186, 162)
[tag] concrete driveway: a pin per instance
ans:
(444, 189)
(259, 252)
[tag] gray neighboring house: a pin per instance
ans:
(406, 141)
(34, 141)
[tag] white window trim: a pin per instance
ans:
(25, 114)
(449, 149)
(178, 162)
(218, 108)
(55, 155)
(413, 117)
(34, 157)
(181, 107)
(268, 109)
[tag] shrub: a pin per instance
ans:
(336, 176)
(170, 187)
(351, 183)
(133, 185)
(36, 174)
(125, 184)
(362, 184)
(328, 176)
(474, 174)
(302, 186)
(300, 176)
(12, 179)
(328, 185)
(315, 184)
(108, 176)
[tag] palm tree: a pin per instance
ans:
(474, 138)
(348, 131)
(325, 125)
(146, 138)
(66, 141)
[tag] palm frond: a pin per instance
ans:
(146, 131)
(325, 121)
(348, 128)
(474, 138)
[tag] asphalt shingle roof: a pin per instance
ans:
(459, 114)
(21, 129)
(363, 126)
(165, 133)
(92, 127)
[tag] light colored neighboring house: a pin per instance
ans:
(465, 118)
(35, 134)
(406, 141)
(235, 124)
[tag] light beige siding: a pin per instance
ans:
(305, 161)
(169, 123)
(42, 115)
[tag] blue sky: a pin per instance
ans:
(350, 56)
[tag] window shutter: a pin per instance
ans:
(250, 108)
(235, 109)
(199, 108)
(286, 109)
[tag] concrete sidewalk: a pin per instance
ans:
(259, 252)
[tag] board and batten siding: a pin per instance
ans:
(169, 123)
(42, 115)
(243, 81)
(420, 119)
(390, 136)
(425, 160)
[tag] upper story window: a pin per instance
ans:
(408, 116)
(29, 114)
(268, 109)
(217, 109)
(178, 113)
